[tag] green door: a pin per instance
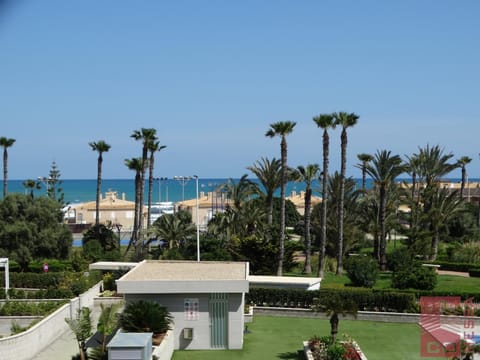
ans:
(218, 312)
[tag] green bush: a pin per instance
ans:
(362, 270)
(145, 316)
(414, 277)
(109, 282)
(15, 308)
(399, 258)
(467, 253)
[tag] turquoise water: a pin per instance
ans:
(76, 191)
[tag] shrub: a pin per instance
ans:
(467, 253)
(362, 270)
(399, 258)
(108, 282)
(415, 277)
(145, 316)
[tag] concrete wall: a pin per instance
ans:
(166, 347)
(201, 327)
(25, 345)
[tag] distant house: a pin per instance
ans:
(112, 210)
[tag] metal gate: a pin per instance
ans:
(218, 312)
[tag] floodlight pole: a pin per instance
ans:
(198, 221)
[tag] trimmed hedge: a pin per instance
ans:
(36, 266)
(366, 299)
(29, 308)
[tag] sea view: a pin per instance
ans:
(78, 191)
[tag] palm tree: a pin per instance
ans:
(345, 120)
(31, 185)
(384, 169)
(136, 164)
(269, 174)
(5, 143)
(446, 205)
(325, 122)
(171, 228)
(463, 162)
(153, 147)
(100, 147)
(282, 129)
(81, 326)
(147, 136)
(334, 305)
(239, 192)
(307, 175)
(365, 159)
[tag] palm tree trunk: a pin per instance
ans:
(5, 171)
(334, 326)
(383, 240)
(323, 233)
(99, 184)
(281, 252)
(150, 189)
(308, 239)
(342, 200)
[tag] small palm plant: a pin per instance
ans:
(145, 316)
(334, 305)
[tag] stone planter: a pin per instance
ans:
(309, 355)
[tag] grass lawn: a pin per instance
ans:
(281, 338)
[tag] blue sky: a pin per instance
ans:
(211, 76)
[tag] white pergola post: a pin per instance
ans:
(4, 263)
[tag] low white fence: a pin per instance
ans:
(25, 345)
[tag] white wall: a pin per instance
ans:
(25, 345)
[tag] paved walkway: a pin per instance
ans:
(64, 347)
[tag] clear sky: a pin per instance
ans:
(211, 76)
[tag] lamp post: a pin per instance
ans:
(160, 179)
(198, 220)
(45, 180)
(183, 181)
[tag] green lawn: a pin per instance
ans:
(451, 283)
(281, 338)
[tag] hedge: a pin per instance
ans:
(366, 299)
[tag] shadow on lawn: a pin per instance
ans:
(299, 355)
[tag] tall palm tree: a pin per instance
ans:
(307, 175)
(147, 136)
(384, 169)
(153, 147)
(345, 120)
(364, 160)
(282, 129)
(325, 122)
(100, 147)
(136, 164)
(5, 143)
(463, 162)
(269, 174)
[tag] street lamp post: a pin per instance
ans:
(119, 229)
(183, 181)
(198, 220)
(45, 180)
(160, 179)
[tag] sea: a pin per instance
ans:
(164, 189)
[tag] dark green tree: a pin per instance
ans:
(32, 229)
